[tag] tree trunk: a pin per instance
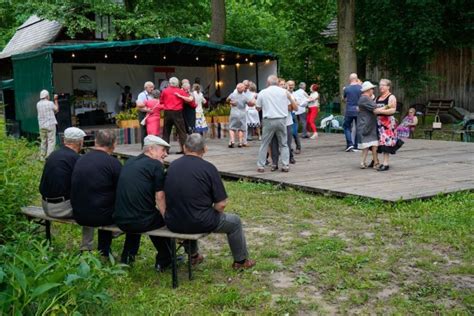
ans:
(218, 21)
(346, 43)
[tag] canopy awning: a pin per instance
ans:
(152, 51)
(7, 84)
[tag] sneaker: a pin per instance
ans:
(231, 145)
(292, 161)
(261, 170)
(259, 137)
(298, 151)
(314, 136)
(274, 168)
(239, 145)
(285, 169)
(355, 150)
(383, 168)
(348, 149)
(248, 263)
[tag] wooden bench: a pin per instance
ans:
(35, 212)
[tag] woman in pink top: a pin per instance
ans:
(153, 108)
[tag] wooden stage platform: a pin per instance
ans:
(420, 169)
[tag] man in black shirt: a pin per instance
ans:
(139, 191)
(93, 185)
(195, 202)
(55, 185)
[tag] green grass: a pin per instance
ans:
(316, 254)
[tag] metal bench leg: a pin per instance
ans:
(190, 268)
(174, 268)
(47, 225)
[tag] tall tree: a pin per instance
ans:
(218, 21)
(346, 42)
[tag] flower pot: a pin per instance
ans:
(128, 124)
(221, 119)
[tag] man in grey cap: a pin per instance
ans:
(140, 190)
(47, 123)
(55, 185)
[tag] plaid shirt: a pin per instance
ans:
(46, 118)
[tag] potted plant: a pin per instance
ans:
(127, 118)
(220, 114)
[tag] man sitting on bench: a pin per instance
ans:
(139, 191)
(55, 185)
(93, 185)
(195, 202)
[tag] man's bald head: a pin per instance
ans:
(353, 77)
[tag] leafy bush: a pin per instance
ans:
(221, 110)
(19, 176)
(130, 114)
(35, 280)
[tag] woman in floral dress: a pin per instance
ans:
(386, 107)
(201, 124)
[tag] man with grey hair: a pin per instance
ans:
(195, 202)
(275, 103)
(55, 184)
(140, 190)
(173, 99)
(302, 99)
(93, 186)
(142, 111)
(47, 123)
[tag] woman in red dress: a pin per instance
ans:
(153, 108)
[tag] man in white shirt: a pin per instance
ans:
(47, 123)
(275, 103)
(142, 97)
(302, 99)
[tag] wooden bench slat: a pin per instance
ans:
(37, 212)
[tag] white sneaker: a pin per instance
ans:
(314, 136)
(348, 149)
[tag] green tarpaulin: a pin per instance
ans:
(31, 75)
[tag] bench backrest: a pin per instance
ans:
(439, 106)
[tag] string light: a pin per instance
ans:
(73, 55)
(251, 64)
(197, 58)
(267, 61)
(246, 59)
(222, 59)
(135, 56)
(105, 56)
(222, 66)
(237, 65)
(164, 57)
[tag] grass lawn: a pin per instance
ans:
(315, 255)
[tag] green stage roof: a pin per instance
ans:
(176, 50)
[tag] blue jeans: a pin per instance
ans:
(347, 125)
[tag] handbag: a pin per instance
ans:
(437, 122)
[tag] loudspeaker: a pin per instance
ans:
(64, 115)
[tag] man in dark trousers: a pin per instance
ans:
(139, 191)
(195, 202)
(55, 185)
(93, 186)
(351, 95)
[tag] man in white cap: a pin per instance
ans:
(47, 123)
(55, 185)
(140, 190)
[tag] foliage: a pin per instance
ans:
(19, 179)
(130, 114)
(403, 36)
(220, 110)
(35, 280)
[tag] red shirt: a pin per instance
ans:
(170, 101)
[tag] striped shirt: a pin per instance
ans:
(46, 118)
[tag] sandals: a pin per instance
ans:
(363, 165)
(231, 145)
(373, 165)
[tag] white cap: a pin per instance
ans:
(44, 94)
(155, 140)
(366, 86)
(74, 133)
